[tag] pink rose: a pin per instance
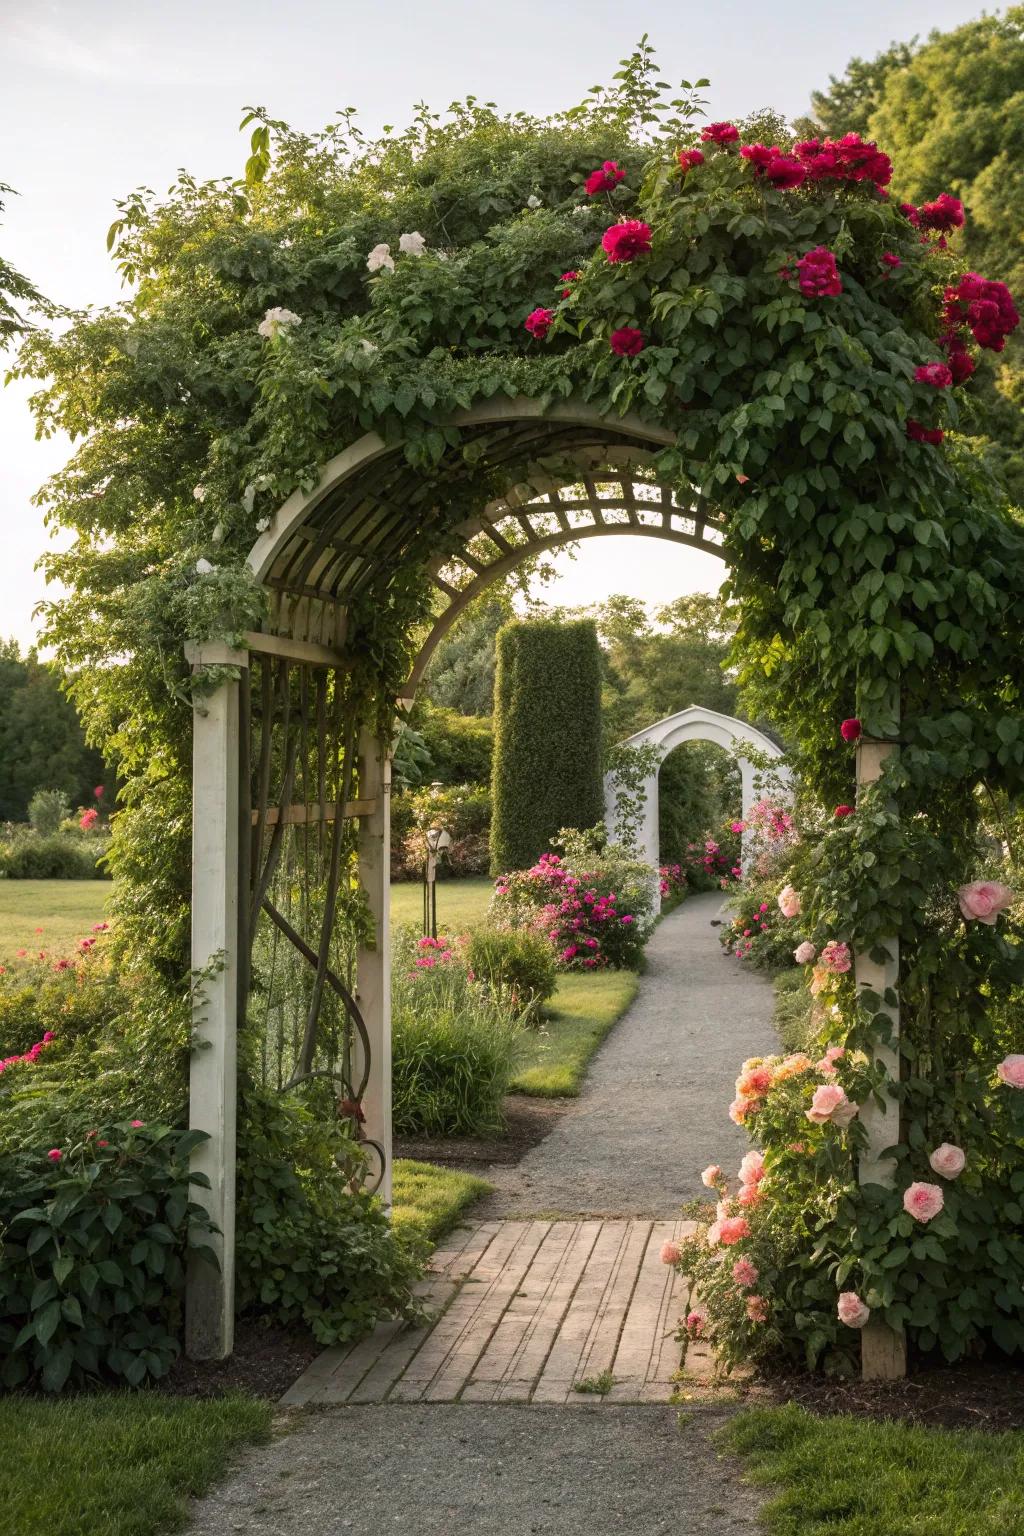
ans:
(938, 375)
(757, 1309)
(851, 730)
(720, 133)
(624, 242)
(538, 322)
(137, 1124)
(836, 957)
(805, 953)
(671, 1253)
(752, 1167)
(714, 1234)
(852, 1311)
(750, 1194)
(733, 1230)
(830, 1103)
(948, 1160)
(711, 1175)
(789, 902)
(744, 1272)
(923, 1201)
(604, 180)
(1011, 1071)
(983, 900)
(696, 1322)
(55, 1154)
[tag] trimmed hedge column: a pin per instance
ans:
(547, 737)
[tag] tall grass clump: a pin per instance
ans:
(456, 1044)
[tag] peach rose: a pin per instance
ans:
(983, 900)
(830, 1103)
(744, 1272)
(711, 1175)
(789, 902)
(752, 1084)
(714, 1234)
(1011, 1071)
(752, 1167)
(671, 1253)
(852, 1311)
(733, 1230)
(948, 1160)
(749, 1195)
(757, 1309)
(923, 1201)
(804, 953)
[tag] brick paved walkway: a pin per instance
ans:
(523, 1311)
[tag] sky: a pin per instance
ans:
(101, 96)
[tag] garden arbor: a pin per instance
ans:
(695, 724)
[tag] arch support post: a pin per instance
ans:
(213, 1087)
(883, 1351)
(373, 962)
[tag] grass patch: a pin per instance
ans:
(118, 1464)
(792, 1016)
(461, 904)
(856, 1477)
(65, 910)
(580, 1014)
(429, 1200)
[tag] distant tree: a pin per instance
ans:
(461, 672)
(18, 296)
(950, 112)
(42, 745)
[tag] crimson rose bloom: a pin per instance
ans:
(842, 810)
(759, 155)
(626, 341)
(688, 158)
(567, 278)
(845, 159)
(604, 180)
(919, 434)
(986, 307)
(945, 213)
(720, 133)
(538, 322)
(818, 273)
(623, 242)
(961, 363)
(911, 214)
(936, 374)
(851, 730)
(890, 259)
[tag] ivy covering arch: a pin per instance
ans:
(442, 316)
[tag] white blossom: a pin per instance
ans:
(262, 524)
(412, 245)
(199, 493)
(533, 201)
(368, 346)
(582, 208)
(248, 498)
(203, 566)
(276, 320)
(379, 257)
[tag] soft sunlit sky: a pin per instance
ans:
(102, 95)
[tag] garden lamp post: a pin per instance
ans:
(439, 840)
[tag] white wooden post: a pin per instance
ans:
(883, 1351)
(373, 965)
(210, 1293)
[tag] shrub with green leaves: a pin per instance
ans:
(455, 1044)
(55, 857)
(311, 1251)
(515, 963)
(92, 1267)
(547, 737)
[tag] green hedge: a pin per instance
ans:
(460, 746)
(547, 737)
(53, 858)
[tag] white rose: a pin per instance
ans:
(380, 257)
(533, 201)
(276, 320)
(948, 1160)
(199, 493)
(203, 566)
(262, 524)
(412, 245)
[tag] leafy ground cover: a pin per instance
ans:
(582, 1011)
(856, 1477)
(429, 1200)
(123, 1465)
(64, 910)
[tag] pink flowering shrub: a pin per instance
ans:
(714, 864)
(595, 911)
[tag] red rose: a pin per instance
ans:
(919, 434)
(842, 811)
(759, 155)
(935, 374)
(945, 213)
(604, 180)
(961, 363)
(567, 278)
(890, 259)
(818, 273)
(624, 242)
(784, 171)
(538, 322)
(845, 159)
(626, 341)
(911, 213)
(851, 730)
(720, 133)
(688, 158)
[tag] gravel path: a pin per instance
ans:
(654, 1107)
(469, 1469)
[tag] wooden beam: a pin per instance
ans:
(302, 815)
(294, 650)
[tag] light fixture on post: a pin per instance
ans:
(438, 840)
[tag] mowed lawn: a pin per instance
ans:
(460, 903)
(50, 915)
